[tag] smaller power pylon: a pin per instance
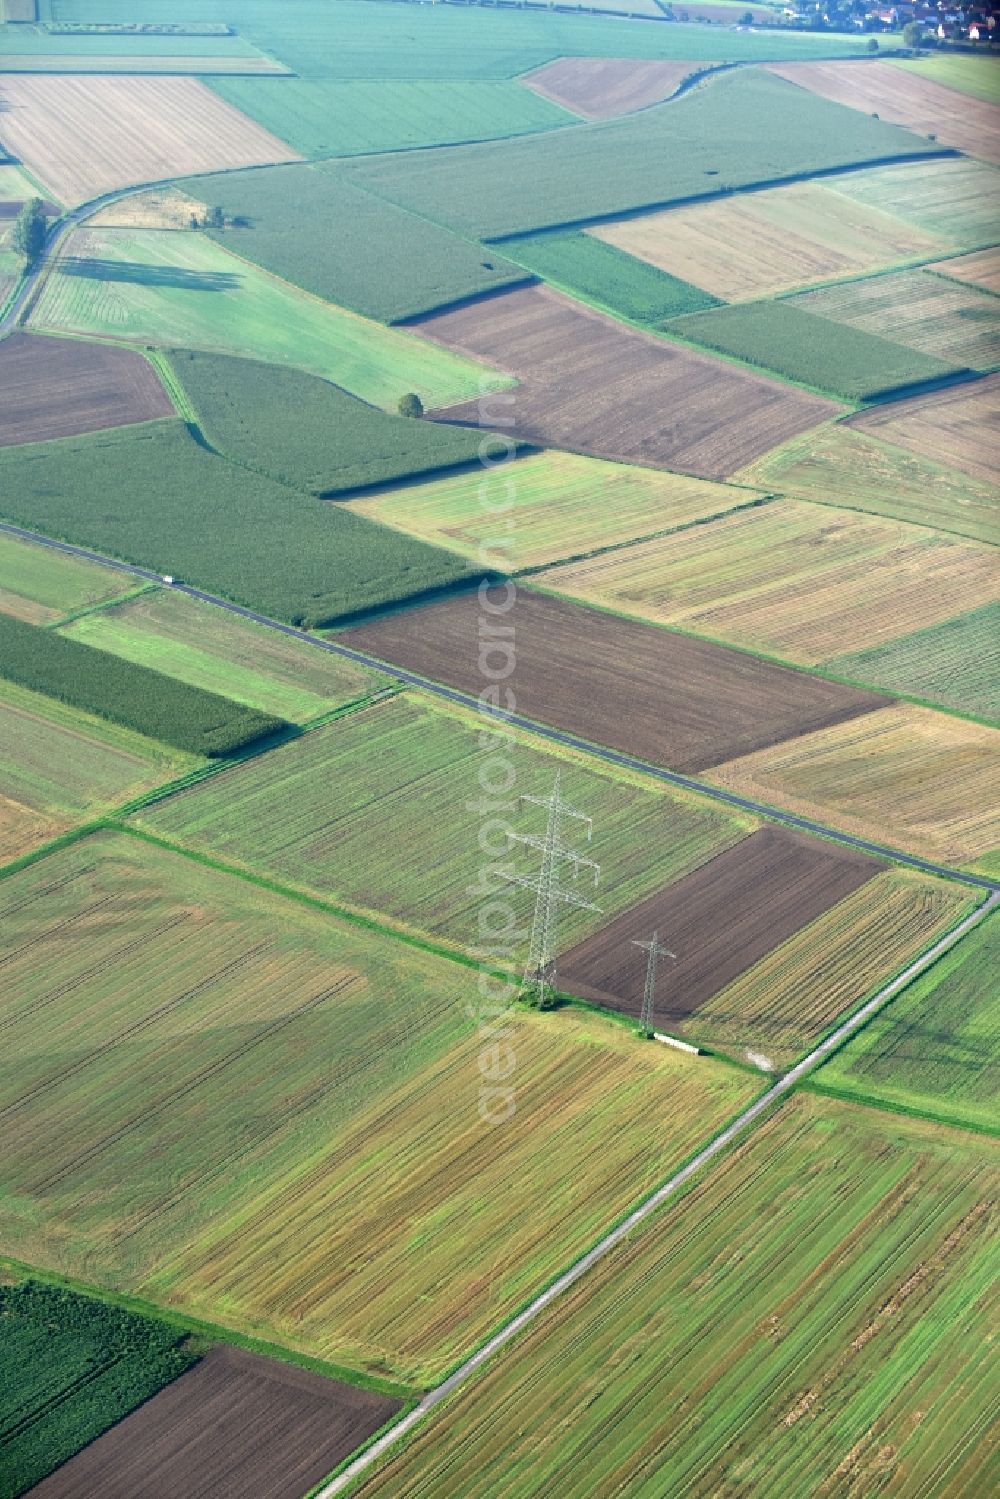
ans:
(653, 950)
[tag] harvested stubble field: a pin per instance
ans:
(62, 767)
(770, 241)
(407, 772)
(599, 87)
(414, 1230)
(559, 505)
(982, 268)
(58, 387)
(906, 776)
(719, 920)
(663, 697)
(738, 128)
(84, 136)
(160, 208)
(952, 198)
(840, 466)
(316, 228)
(203, 645)
(960, 324)
(905, 98)
(813, 1314)
(41, 585)
(159, 286)
(234, 1424)
(589, 384)
(956, 663)
(934, 1049)
(802, 581)
(955, 427)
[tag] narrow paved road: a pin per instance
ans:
(754, 1113)
(530, 725)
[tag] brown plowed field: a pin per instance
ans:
(590, 385)
(58, 387)
(719, 921)
(666, 698)
(982, 268)
(599, 87)
(903, 98)
(957, 427)
(234, 1425)
(84, 136)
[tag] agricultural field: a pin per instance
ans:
(160, 208)
(406, 771)
(84, 136)
(815, 1310)
(954, 198)
(958, 324)
(721, 918)
(800, 581)
(584, 267)
(976, 76)
(221, 653)
(70, 1367)
(934, 1049)
(913, 100)
(132, 49)
(599, 87)
(771, 241)
(589, 384)
(559, 505)
(663, 697)
(184, 290)
(841, 466)
(360, 117)
(109, 687)
(61, 768)
(240, 64)
(947, 426)
(128, 494)
(981, 268)
(787, 339)
(314, 227)
(736, 129)
(40, 585)
(196, 1434)
(58, 387)
(906, 776)
(310, 433)
(956, 663)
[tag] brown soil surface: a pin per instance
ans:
(957, 426)
(903, 98)
(591, 385)
(719, 921)
(982, 268)
(599, 87)
(666, 698)
(234, 1425)
(58, 387)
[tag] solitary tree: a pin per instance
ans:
(215, 218)
(29, 230)
(411, 404)
(913, 34)
(873, 44)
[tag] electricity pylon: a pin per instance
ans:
(549, 893)
(654, 951)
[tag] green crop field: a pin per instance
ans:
(39, 585)
(814, 1314)
(558, 504)
(735, 129)
(137, 492)
(930, 313)
(837, 358)
(955, 198)
(934, 1049)
(356, 117)
(954, 663)
(180, 289)
(222, 653)
(310, 433)
(976, 76)
(405, 776)
(138, 698)
(316, 228)
(70, 1367)
(136, 48)
(587, 267)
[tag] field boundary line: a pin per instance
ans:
(99, 608)
(906, 1111)
(749, 1116)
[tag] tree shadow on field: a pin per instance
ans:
(148, 275)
